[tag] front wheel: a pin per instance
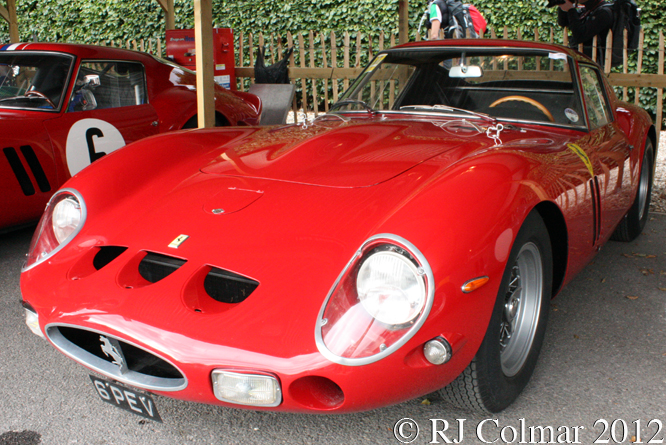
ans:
(509, 351)
(634, 221)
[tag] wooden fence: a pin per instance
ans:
(322, 65)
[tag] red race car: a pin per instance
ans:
(63, 106)
(406, 242)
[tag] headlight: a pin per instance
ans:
(66, 218)
(377, 304)
(390, 287)
(63, 218)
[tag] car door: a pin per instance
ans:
(107, 109)
(609, 153)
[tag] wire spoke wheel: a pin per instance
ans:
(522, 305)
(510, 348)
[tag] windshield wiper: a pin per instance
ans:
(439, 107)
(365, 105)
(10, 98)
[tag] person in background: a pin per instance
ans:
(440, 14)
(594, 19)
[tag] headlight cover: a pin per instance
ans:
(63, 218)
(378, 302)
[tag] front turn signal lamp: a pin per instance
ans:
(63, 218)
(379, 301)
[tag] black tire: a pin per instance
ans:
(503, 365)
(193, 122)
(634, 221)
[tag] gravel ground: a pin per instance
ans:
(658, 204)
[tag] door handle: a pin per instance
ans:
(154, 123)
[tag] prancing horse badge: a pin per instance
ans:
(178, 241)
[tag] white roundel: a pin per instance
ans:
(89, 140)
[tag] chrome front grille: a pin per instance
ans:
(117, 359)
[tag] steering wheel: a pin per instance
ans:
(528, 100)
(40, 95)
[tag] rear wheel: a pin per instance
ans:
(509, 351)
(634, 221)
(193, 122)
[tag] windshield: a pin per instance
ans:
(33, 81)
(502, 83)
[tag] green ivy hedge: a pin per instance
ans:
(92, 21)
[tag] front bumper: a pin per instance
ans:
(169, 364)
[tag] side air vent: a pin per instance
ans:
(116, 358)
(106, 254)
(228, 287)
(155, 267)
(19, 171)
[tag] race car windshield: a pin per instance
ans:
(33, 81)
(505, 84)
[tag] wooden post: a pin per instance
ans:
(304, 85)
(322, 39)
(203, 35)
(609, 52)
(169, 13)
(403, 21)
(334, 64)
(639, 66)
(315, 104)
(660, 91)
(292, 63)
(9, 14)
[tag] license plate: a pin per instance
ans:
(125, 398)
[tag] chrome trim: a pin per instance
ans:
(108, 369)
(84, 215)
(430, 296)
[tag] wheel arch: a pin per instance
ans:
(559, 241)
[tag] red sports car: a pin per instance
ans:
(408, 241)
(63, 106)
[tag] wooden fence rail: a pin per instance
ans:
(323, 64)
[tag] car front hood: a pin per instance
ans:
(334, 153)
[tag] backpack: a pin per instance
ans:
(626, 15)
(478, 23)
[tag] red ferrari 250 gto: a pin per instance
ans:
(408, 241)
(62, 106)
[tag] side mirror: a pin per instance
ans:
(91, 81)
(464, 71)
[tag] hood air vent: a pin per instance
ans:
(106, 254)
(228, 287)
(155, 267)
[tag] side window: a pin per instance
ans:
(101, 84)
(598, 110)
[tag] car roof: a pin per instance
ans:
(83, 51)
(495, 43)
